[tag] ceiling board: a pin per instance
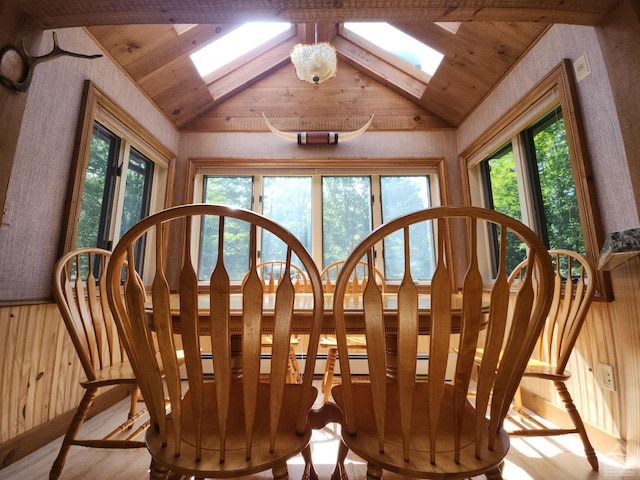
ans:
(63, 13)
(494, 35)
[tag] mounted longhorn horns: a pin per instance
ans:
(23, 65)
(318, 138)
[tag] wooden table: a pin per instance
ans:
(302, 317)
(302, 313)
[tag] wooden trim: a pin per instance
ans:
(560, 79)
(287, 165)
(93, 100)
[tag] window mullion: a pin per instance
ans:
(316, 219)
(525, 182)
(118, 194)
(537, 220)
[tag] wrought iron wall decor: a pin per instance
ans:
(16, 66)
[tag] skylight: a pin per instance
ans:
(235, 44)
(399, 43)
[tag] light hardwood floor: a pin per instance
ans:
(559, 458)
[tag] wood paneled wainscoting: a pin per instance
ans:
(40, 375)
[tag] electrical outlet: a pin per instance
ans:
(606, 376)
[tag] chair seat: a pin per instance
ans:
(535, 368)
(288, 441)
(113, 374)
(538, 369)
(365, 443)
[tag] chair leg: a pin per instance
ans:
(309, 471)
(339, 472)
(517, 402)
(374, 472)
(329, 368)
(280, 472)
(158, 472)
(495, 474)
(72, 431)
(135, 397)
(295, 368)
(577, 421)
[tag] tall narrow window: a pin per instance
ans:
(119, 177)
(502, 195)
(346, 215)
(99, 187)
(287, 200)
(401, 195)
(536, 186)
(234, 192)
(548, 153)
(137, 198)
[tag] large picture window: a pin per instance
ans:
(329, 213)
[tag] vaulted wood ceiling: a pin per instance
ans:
(141, 38)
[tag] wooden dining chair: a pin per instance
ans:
(270, 274)
(246, 419)
(80, 293)
(427, 426)
(273, 271)
(357, 283)
(573, 293)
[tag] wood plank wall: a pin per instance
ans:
(39, 369)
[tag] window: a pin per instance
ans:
(234, 44)
(531, 166)
(395, 41)
(105, 176)
(546, 173)
(402, 195)
(346, 215)
(347, 207)
(120, 177)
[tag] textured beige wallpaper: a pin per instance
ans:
(37, 188)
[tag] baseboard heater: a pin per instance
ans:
(357, 362)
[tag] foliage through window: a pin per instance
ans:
(347, 209)
(119, 177)
(101, 208)
(545, 172)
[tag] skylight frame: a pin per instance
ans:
(386, 35)
(245, 32)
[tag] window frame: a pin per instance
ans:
(557, 88)
(98, 107)
(199, 167)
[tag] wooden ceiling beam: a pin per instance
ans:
(63, 13)
(382, 67)
(250, 72)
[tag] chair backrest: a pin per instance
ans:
(357, 280)
(79, 291)
(232, 395)
(396, 401)
(272, 272)
(574, 290)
